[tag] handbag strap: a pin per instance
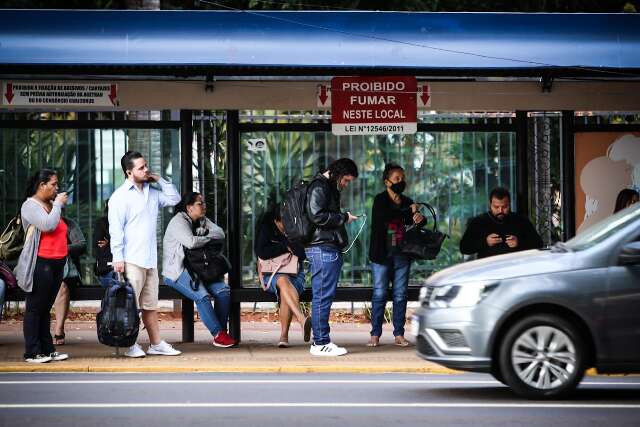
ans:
(433, 214)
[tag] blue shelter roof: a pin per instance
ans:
(319, 43)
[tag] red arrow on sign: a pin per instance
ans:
(9, 94)
(323, 94)
(424, 94)
(113, 95)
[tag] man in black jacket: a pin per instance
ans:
(324, 249)
(499, 231)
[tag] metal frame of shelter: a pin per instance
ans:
(232, 61)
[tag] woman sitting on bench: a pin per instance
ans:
(271, 243)
(188, 229)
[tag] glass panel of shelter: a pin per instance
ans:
(87, 161)
(452, 171)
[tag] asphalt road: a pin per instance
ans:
(266, 400)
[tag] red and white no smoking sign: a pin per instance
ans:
(373, 105)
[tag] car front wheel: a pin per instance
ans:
(542, 356)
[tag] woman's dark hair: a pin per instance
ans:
(127, 161)
(188, 199)
(342, 167)
(41, 177)
(625, 198)
(270, 215)
(275, 213)
(388, 168)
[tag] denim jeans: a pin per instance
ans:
(394, 270)
(214, 318)
(3, 287)
(326, 264)
(297, 281)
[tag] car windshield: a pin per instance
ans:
(603, 229)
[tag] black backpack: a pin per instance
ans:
(118, 321)
(293, 210)
(206, 264)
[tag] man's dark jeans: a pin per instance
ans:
(326, 264)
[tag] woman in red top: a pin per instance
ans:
(48, 242)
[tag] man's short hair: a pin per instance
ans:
(127, 161)
(342, 167)
(499, 193)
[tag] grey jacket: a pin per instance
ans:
(179, 235)
(33, 213)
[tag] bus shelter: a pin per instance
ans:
(238, 106)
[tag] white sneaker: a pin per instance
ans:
(135, 351)
(163, 348)
(327, 350)
(39, 358)
(55, 356)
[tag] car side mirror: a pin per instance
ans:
(630, 254)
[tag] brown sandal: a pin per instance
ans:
(374, 341)
(401, 341)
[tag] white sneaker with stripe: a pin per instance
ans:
(329, 350)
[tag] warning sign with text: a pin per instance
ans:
(59, 94)
(373, 105)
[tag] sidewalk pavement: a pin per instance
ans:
(256, 353)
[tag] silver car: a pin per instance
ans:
(536, 320)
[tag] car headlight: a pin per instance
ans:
(463, 295)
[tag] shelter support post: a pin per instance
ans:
(234, 234)
(522, 164)
(568, 176)
(186, 184)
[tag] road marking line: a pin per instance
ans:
(230, 381)
(234, 381)
(263, 405)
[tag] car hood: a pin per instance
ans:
(506, 266)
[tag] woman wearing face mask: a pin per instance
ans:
(391, 212)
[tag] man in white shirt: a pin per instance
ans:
(133, 216)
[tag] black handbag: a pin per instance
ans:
(206, 264)
(422, 243)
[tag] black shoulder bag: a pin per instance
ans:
(206, 264)
(422, 243)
